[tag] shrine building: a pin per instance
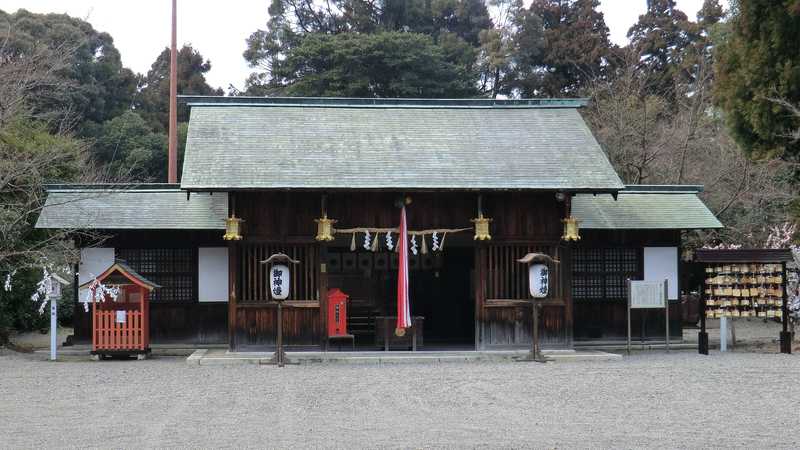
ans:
(483, 182)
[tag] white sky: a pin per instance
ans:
(141, 28)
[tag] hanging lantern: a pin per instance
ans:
(482, 228)
(571, 229)
(324, 228)
(233, 229)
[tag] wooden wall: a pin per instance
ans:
(284, 221)
(607, 320)
(521, 222)
(186, 322)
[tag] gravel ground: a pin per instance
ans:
(675, 400)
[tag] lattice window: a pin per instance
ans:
(174, 269)
(601, 273)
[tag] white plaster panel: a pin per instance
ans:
(661, 263)
(212, 273)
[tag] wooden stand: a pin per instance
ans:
(746, 256)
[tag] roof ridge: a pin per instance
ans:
(355, 102)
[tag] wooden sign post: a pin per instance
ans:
(647, 295)
(280, 281)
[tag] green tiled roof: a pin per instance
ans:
(135, 208)
(402, 144)
(645, 207)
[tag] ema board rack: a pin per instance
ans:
(744, 290)
(744, 283)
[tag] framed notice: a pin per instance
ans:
(648, 295)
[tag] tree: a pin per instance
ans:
(101, 87)
(295, 28)
(511, 52)
(758, 59)
(152, 102)
(127, 147)
(35, 149)
(576, 47)
(661, 37)
(659, 139)
(387, 64)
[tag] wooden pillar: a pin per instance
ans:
(143, 307)
(480, 293)
(322, 289)
(233, 275)
(785, 336)
(565, 272)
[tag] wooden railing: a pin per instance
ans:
(111, 335)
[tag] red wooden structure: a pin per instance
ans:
(121, 326)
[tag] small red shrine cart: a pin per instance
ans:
(120, 327)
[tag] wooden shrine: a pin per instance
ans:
(120, 300)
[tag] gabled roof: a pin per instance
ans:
(645, 207)
(121, 269)
(250, 143)
(132, 207)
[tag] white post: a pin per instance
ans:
(723, 334)
(53, 326)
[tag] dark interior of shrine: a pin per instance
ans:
(440, 289)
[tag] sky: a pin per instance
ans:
(141, 28)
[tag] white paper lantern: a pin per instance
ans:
(279, 281)
(539, 280)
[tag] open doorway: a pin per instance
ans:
(444, 296)
(440, 288)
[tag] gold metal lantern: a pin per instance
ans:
(482, 228)
(324, 228)
(571, 231)
(233, 229)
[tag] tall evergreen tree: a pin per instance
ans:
(453, 26)
(511, 51)
(153, 100)
(576, 46)
(101, 87)
(661, 37)
(385, 64)
(758, 59)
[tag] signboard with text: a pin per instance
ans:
(647, 294)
